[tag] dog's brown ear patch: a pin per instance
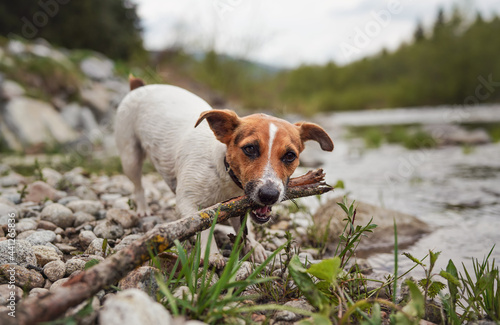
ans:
(135, 82)
(311, 131)
(223, 122)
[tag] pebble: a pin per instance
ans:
(6, 291)
(58, 214)
(87, 206)
(126, 241)
(52, 177)
(55, 270)
(289, 316)
(82, 218)
(41, 237)
(40, 191)
(86, 237)
(23, 278)
(85, 193)
(68, 199)
(142, 278)
(244, 271)
(47, 225)
(26, 224)
(73, 265)
(126, 218)
(36, 292)
(6, 210)
(24, 253)
(57, 284)
(45, 254)
(131, 307)
(108, 229)
(95, 248)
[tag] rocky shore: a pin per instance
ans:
(61, 222)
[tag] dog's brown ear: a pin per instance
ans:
(223, 122)
(311, 131)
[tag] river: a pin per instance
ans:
(456, 190)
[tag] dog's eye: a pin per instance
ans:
(251, 151)
(289, 157)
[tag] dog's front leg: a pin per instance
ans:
(259, 254)
(215, 257)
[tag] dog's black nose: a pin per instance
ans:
(268, 195)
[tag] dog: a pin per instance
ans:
(206, 163)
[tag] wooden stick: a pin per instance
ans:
(33, 310)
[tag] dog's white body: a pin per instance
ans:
(158, 121)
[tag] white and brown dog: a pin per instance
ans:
(253, 155)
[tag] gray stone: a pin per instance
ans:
(126, 218)
(126, 241)
(244, 271)
(11, 89)
(7, 292)
(97, 98)
(410, 228)
(85, 193)
(73, 265)
(23, 278)
(54, 270)
(52, 177)
(23, 256)
(97, 68)
(95, 248)
(41, 237)
(12, 197)
(108, 229)
(45, 125)
(40, 191)
(7, 212)
(86, 237)
(87, 206)
(82, 218)
(13, 179)
(58, 284)
(45, 254)
(142, 278)
(26, 224)
(289, 316)
(68, 199)
(131, 307)
(37, 292)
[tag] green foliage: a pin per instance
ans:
(207, 301)
(410, 136)
(455, 56)
(91, 263)
(110, 27)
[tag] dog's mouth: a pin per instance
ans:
(262, 214)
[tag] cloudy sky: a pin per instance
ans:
(288, 33)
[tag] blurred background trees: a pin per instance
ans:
(111, 27)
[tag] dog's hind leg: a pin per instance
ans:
(132, 157)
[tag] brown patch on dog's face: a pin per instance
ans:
(263, 151)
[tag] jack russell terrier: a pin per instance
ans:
(206, 163)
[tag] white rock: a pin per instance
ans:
(58, 214)
(131, 307)
(87, 206)
(11, 89)
(97, 68)
(44, 125)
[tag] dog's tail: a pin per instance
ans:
(135, 82)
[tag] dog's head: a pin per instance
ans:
(263, 152)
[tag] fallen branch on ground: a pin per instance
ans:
(33, 310)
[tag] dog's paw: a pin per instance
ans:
(216, 260)
(141, 213)
(259, 254)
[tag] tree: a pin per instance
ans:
(111, 27)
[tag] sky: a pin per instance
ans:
(288, 33)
